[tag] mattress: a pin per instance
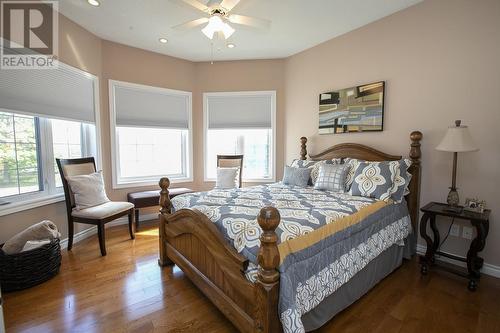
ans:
(324, 238)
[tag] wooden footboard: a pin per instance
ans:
(190, 240)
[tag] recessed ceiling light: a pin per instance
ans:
(231, 45)
(163, 40)
(93, 3)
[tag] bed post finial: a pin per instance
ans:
(413, 199)
(303, 148)
(166, 208)
(165, 204)
(268, 278)
(415, 152)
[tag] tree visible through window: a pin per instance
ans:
(19, 166)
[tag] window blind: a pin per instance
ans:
(64, 93)
(239, 111)
(137, 105)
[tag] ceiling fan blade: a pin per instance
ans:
(191, 24)
(229, 4)
(249, 21)
(192, 3)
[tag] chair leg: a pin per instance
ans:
(102, 238)
(131, 224)
(70, 234)
(136, 219)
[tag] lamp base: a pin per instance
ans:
(453, 198)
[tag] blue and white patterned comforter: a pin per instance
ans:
(310, 275)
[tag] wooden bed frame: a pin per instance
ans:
(192, 242)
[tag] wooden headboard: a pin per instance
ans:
(362, 152)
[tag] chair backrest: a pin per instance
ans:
(231, 161)
(73, 167)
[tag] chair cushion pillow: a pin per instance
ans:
(331, 177)
(88, 190)
(227, 178)
(296, 176)
(104, 210)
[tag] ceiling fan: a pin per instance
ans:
(217, 16)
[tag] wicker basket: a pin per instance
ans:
(27, 269)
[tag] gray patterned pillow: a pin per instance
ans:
(314, 166)
(331, 177)
(381, 180)
(296, 176)
(352, 166)
(401, 179)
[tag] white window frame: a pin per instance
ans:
(149, 180)
(51, 194)
(272, 94)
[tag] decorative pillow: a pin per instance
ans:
(227, 178)
(352, 164)
(88, 190)
(296, 176)
(382, 180)
(314, 165)
(401, 179)
(331, 177)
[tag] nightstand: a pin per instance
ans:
(474, 263)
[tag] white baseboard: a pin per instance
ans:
(79, 236)
(487, 269)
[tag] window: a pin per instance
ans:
(38, 123)
(28, 144)
(154, 142)
(241, 123)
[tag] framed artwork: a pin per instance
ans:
(355, 109)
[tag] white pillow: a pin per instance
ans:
(228, 178)
(88, 190)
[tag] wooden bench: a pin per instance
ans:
(150, 198)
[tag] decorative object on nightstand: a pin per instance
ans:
(474, 263)
(474, 205)
(457, 140)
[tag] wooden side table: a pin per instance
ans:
(474, 263)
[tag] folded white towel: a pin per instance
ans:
(31, 245)
(40, 231)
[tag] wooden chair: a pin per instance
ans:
(97, 215)
(231, 161)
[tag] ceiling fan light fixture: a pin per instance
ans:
(227, 30)
(216, 24)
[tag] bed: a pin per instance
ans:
(269, 281)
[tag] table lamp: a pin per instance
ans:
(457, 140)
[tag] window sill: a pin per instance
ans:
(19, 206)
(132, 184)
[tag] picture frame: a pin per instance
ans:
(474, 205)
(352, 110)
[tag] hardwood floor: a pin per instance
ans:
(127, 291)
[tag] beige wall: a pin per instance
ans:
(440, 61)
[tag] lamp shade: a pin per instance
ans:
(457, 139)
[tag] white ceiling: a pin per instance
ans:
(296, 25)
